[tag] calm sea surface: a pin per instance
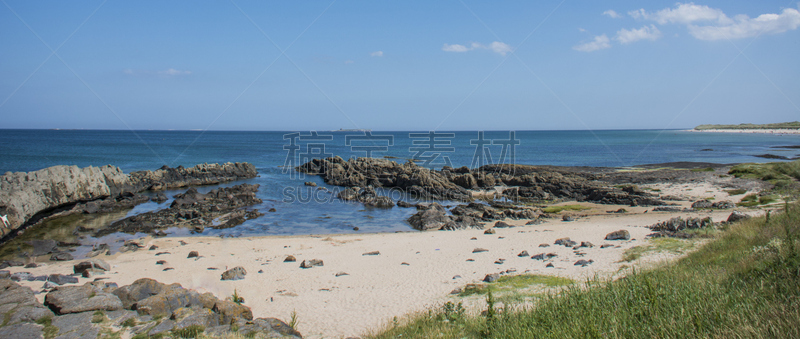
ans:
(302, 210)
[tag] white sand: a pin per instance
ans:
(379, 288)
(768, 131)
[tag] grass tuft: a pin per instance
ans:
(558, 209)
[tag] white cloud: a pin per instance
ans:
(376, 54)
(625, 36)
(173, 71)
(613, 14)
(496, 46)
(455, 48)
(599, 42)
(706, 23)
(166, 72)
(683, 14)
(581, 30)
(745, 27)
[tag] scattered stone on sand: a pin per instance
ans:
(606, 245)
(193, 254)
(236, 273)
(161, 262)
(341, 274)
(311, 263)
(543, 256)
(549, 265)
(479, 250)
(737, 216)
(290, 258)
(583, 262)
(473, 238)
(491, 277)
(502, 224)
(567, 217)
(153, 248)
(404, 263)
(566, 242)
(544, 245)
(618, 235)
(93, 264)
(586, 244)
(63, 256)
(523, 254)
(490, 231)
(371, 253)
(162, 253)
(61, 279)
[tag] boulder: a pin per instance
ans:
(311, 263)
(491, 277)
(432, 218)
(618, 235)
(63, 256)
(97, 264)
(229, 310)
(737, 216)
(75, 299)
(61, 279)
(236, 273)
(171, 298)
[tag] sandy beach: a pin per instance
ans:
(414, 270)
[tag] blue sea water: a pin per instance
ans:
(303, 210)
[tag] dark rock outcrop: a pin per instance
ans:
(618, 235)
(26, 197)
(194, 210)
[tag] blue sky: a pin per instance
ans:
(397, 65)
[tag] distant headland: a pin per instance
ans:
(776, 128)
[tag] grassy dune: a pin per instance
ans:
(745, 283)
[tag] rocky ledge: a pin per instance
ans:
(27, 197)
(145, 308)
(219, 208)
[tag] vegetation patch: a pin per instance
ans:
(192, 331)
(783, 175)
(736, 191)
(558, 209)
(706, 169)
(515, 282)
(752, 200)
(658, 245)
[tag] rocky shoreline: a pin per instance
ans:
(144, 308)
(26, 198)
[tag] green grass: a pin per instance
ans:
(558, 209)
(752, 200)
(706, 169)
(192, 331)
(736, 191)
(50, 331)
(783, 175)
(658, 245)
(741, 284)
(98, 317)
(514, 282)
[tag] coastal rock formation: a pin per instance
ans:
(417, 181)
(26, 197)
(677, 224)
(195, 210)
(146, 308)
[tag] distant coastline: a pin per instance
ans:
(768, 131)
(777, 128)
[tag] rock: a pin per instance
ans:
(431, 218)
(372, 253)
(61, 279)
(236, 273)
(457, 290)
(737, 216)
(97, 264)
(501, 224)
(523, 254)
(567, 217)
(75, 299)
(229, 310)
(491, 277)
(290, 258)
(490, 231)
(583, 262)
(404, 204)
(618, 235)
(193, 254)
(549, 265)
(479, 250)
(31, 265)
(679, 224)
(606, 245)
(271, 326)
(311, 263)
(169, 299)
(138, 290)
(272, 210)
(544, 245)
(667, 209)
(723, 205)
(63, 256)
(566, 242)
(310, 183)
(153, 248)
(160, 197)
(341, 274)
(702, 204)
(161, 262)
(380, 202)
(42, 247)
(586, 244)
(534, 222)
(22, 331)
(543, 256)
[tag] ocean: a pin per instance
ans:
(304, 210)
